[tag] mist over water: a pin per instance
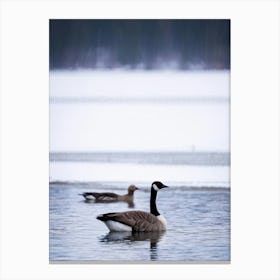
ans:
(139, 111)
(109, 125)
(146, 86)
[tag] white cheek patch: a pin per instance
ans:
(155, 187)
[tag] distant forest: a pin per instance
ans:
(140, 44)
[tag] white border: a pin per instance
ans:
(254, 137)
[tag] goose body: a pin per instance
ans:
(111, 197)
(137, 221)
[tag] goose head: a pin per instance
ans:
(158, 185)
(132, 189)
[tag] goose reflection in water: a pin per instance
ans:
(154, 237)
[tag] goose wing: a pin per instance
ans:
(137, 220)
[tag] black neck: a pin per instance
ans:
(153, 206)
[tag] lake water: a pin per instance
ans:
(198, 226)
(110, 129)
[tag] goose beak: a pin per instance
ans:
(164, 186)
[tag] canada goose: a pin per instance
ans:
(111, 197)
(137, 220)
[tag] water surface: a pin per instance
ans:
(198, 226)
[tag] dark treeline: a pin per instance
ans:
(147, 44)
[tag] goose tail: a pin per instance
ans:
(101, 218)
(105, 217)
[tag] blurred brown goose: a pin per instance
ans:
(111, 197)
(136, 221)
